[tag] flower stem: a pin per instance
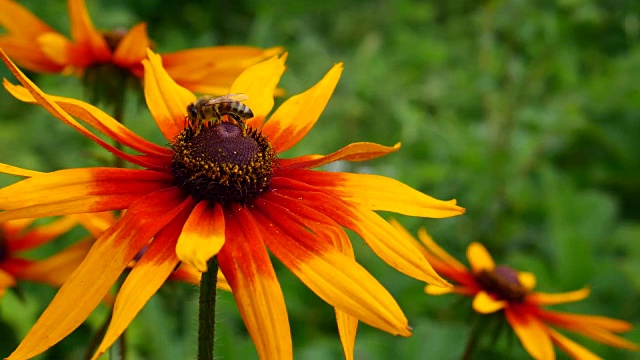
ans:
(476, 331)
(207, 315)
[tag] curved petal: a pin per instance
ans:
(376, 192)
(347, 329)
(74, 191)
(259, 83)
(479, 258)
(202, 236)
(334, 277)
(59, 113)
(144, 280)
(483, 303)
(167, 101)
(108, 257)
(293, 119)
(543, 299)
(361, 151)
(532, 333)
(14, 170)
(438, 290)
(20, 22)
(246, 264)
(85, 34)
(57, 48)
(572, 348)
(96, 118)
(28, 54)
(42, 234)
(439, 252)
(381, 237)
(56, 269)
(132, 48)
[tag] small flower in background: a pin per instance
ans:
(107, 59)
(500, 288)
(20, 236)
(221, 191)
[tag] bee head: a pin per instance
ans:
(192, 112)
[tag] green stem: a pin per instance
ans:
(473, 339)
(207, 315)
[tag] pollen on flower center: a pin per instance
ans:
(218, 163)
(503, 282)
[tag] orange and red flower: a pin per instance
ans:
(20, 236)
(36, 46)
(500, 288)
(220, 191)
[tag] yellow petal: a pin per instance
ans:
(202, 236)
(361, 151)
(259, 83)
(6, 281)
(56, 269)
(57, 48)
(132, 48)
(28, 54)
(347, 328)
(20, 22)
(144, 280)
(245, 262)
(439, 252)
(14, 170)
(479, 258)
(483, 303)
(293, 119)
(532, 333)
(543, 299)
(572, 348)
(438, 290)
(167, 101)
(333, 276)
(527, 280)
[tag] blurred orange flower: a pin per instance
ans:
(221, 190)
(34, 45)
(500, 288)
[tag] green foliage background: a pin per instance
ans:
(527, 112)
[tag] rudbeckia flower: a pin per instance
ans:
(503, 289)
(221, 190)
(36, 46)
(20, 236)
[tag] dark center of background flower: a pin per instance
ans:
(218, 163)
(4, 247)
(502, 282)
(113, 37)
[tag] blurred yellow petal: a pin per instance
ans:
(293, 119)
(483, 303)
(527, 280)
(202, 235)
(132, 48)
(532, 334)
(259, 83)
(57, 48)
(479, 258)
(361, 151)
(85, 34)
(543, 299)
(56, 269)
(439, 252)
(572, 348)
(20, 22)
(6, 281)
(438, 290)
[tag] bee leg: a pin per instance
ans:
(240, 123)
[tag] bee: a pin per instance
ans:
(207, 107)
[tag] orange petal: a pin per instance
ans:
(78, 191)
(202, 235)
(166, 100)
(334, 277)
(132, 48)
(6, 281)
(479, 258)
(245, 262)
(543, 299)
(108, 257)
(377, 193)
(259, 83)
(42, 234)
(532, 333)
(28, 54)
(293, 119)
(362, 151)
(56, 269)
(20, 22)
(45, 101)
(212, 70)
(381, 237)
(572, 348)
(13, 170)
(85, 34)
(144, 280)
(57, 48)
(483, 303)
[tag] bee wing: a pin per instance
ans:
(227, 99)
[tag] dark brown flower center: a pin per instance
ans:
(502, 282)
(218, 163)
(4, 247)
(113, 37)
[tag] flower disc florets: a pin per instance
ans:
(220, 164)
(503, 282)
